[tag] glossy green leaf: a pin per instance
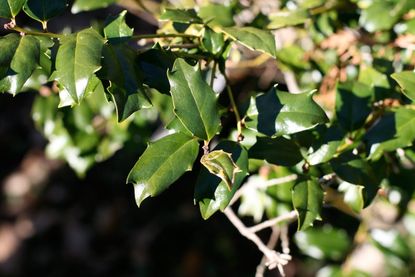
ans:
(323, 243)
(278, 151)
(213, 42)
(194, 100)
(181, 16)
(253, 38)
(88, 5)
(19, 57)
(281, 113)
(154, 65)
(406, 81)
(220, 163)
(307, 200)
(126, 89)
(10, 8)
(43, 10)
(326, 149)
(353, 104)
(163, 162)
(78, 58)
(287, 18)
(211, 192)
(116, 30)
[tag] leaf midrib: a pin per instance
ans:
(199, 114)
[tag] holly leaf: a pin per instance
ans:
(278, 151)
(220, 163)
(194, 100)
(116, 29)
(253, 38)
(211, 192)
(88, 5)
(161, 164)
(19, 57)
(353, 104)
(10, 8)
(126, 89)
(154, 65)
(181, 16)
(278, 113)
(406, 80)
(43, 10)
(307, 197)
(77, 59)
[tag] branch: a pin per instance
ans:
(274, 258)
(272, 242)
(263, 185)
(273, 221)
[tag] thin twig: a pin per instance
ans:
(273, 221)
(212, 77)
(285, 242)
(274, 258)
(272, 242)
(235, 111)
(263, 185)
(154, 36)
(35, 33)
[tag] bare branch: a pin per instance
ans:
(272, 242)
(274, 258)
(265, 184)
(273, 221)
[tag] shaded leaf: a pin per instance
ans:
(19, 57)
(220, 163)
(10, 8)
(279, 151)
(352, 104)
(281, 113)
(161, 164)
(126, 88)
(307, 201)
(194, 100)
(253, 38)
(78, 58)
(181, 16)
(211, 192)
(154, 65)
(43, 10)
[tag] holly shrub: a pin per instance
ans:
(326, 122)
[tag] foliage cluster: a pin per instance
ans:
(345, 128)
